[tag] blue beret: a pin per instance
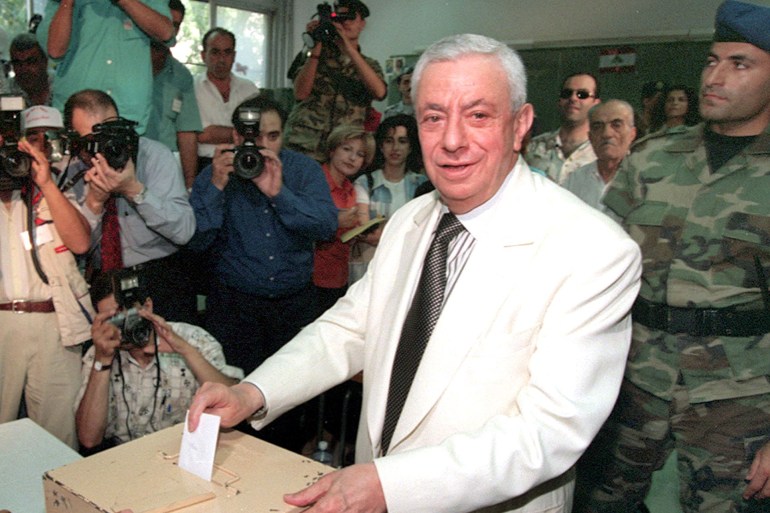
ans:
(744, 23)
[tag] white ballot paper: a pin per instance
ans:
(197, 452)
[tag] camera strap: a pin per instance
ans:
(29, 200)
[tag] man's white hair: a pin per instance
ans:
(454, 47)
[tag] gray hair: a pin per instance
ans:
(621, 103)
(453, 47)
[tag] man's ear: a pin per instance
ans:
(523, 121)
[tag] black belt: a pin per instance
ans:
(22, 306)
(701, 322)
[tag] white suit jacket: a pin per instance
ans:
(523, 367)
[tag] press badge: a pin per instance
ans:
(176, 105)
(42, 235)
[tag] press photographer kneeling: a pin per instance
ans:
(142, 372)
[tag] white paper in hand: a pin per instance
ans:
(198, 449)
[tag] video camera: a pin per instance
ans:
(129, 288)
(14, 163)
(248, 162)
(326, 32)
(116, 139)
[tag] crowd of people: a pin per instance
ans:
(536, 321)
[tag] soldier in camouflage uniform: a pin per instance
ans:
(698, 375)
(334, 86)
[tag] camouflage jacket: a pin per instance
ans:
(338, 97)
(699, 232)
(544, 153)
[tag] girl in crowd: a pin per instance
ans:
(349, 150)
(678, 108)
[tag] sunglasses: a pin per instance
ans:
(582, 94)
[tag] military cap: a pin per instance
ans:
(744, 23)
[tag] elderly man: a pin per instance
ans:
(30, 67)
(696, 202)
(611, 132)
(522, 362)
(138, 210)
(567, 148)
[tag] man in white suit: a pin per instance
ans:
(526, 358)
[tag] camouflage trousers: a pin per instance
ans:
(715, 441)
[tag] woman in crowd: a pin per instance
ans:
(349, 150)
(679, 108)
(396, 176)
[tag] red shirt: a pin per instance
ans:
(330, 264)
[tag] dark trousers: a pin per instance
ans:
(251, 328)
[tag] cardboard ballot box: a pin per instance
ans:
(249, 476)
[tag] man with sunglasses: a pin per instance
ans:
(30, 67)
(567, 148)
(335, 85)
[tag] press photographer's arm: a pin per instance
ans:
(73, 228)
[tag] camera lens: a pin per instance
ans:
(15, 163)
(248, 162)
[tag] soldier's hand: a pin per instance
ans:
(759, 475)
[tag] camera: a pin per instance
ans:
(248, 162)
(129, 288)
(14, 163)
(134, 330)
(116, 139)
(325, 32)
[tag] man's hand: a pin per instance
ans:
(40, 170)
(759, 475)
(222, 165)
(233, 404)
(110, 180)
(270, 180)
(106, 337)
(355, 489)
(168, 340)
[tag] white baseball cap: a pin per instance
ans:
(40, 116)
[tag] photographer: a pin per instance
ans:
(137, 207)
(336, 83)
(142, 378)
(44, 304)
(262, 222)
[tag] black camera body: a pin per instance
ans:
(15, 165)
(129, 288)
(248, 162)
(116, 139)
(326, 32)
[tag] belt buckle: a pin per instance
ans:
(18, 302)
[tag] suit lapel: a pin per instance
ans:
(501, 254)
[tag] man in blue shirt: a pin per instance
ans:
(260, 232)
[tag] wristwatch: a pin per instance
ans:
(99, 366)
(138, 198)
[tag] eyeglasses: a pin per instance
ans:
(582, 94)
